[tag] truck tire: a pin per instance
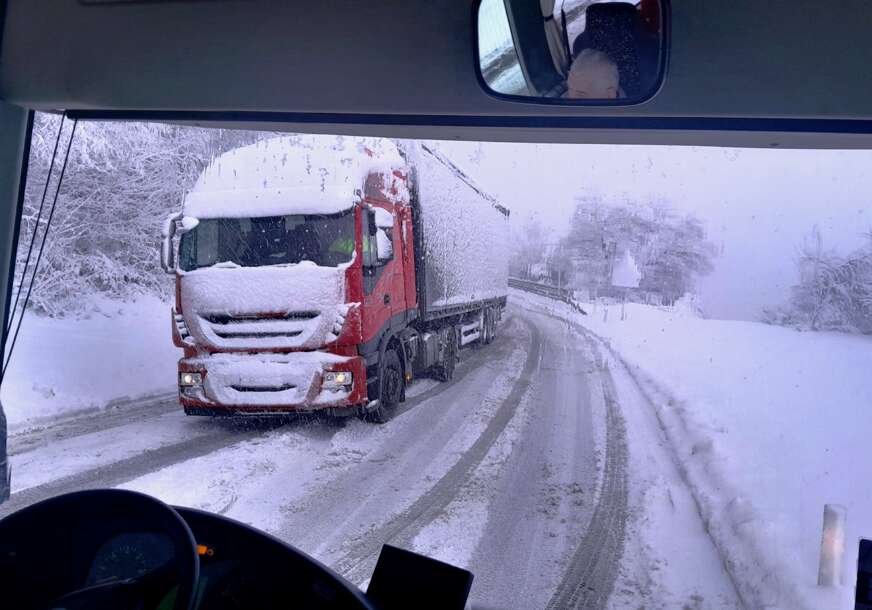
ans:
(487, 335)
(494, 315)
(390, 388)
(445, 370)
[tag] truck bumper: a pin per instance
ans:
(270, 384)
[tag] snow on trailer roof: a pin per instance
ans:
(302, 174)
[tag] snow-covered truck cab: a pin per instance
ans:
(285, 269)
(315, 276)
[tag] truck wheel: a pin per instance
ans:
(493, 326)
(445, 371)
(390, 388)
(488, 330)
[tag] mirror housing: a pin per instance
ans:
(383, 247)
(373, 228)
(167, 252)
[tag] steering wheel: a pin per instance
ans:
(98, 549)
(123, 550)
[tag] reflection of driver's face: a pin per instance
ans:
(593, 76)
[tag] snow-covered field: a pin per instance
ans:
(768, 425)
(63, 366)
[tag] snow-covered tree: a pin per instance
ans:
(678, 254)
(834, 291)
(527, 247)
(671, 251)
(121, 181)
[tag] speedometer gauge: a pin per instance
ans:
(129, 555)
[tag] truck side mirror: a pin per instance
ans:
(167, 255)
(373, 229)
(383, 247)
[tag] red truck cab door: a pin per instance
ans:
(379, 282)
(404, 247)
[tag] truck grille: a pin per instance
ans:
(237, 328)
(250, 388)
(241, 318)
(181, 327)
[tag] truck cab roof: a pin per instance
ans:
(255, 180)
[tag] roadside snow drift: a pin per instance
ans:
(123, 350)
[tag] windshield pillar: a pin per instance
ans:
(16, 125)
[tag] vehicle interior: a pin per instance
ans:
(740, 73)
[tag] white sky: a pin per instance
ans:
(756, 204)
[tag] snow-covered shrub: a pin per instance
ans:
(672, 251)
(834, 291)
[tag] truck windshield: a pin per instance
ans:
(326, 240)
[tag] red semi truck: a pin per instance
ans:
(316, 275)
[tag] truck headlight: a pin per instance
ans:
(190, 380)
(334, 380)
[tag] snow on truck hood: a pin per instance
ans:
(298, 306)
(289, 175)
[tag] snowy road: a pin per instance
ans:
(517, 469)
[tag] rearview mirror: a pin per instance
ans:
(572, 51)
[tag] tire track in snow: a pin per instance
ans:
(113, 474)
(743, 594)
(590, 599)
(116, 416)
(592, 571)
(227, 432)
(358, 563)
(593, 567)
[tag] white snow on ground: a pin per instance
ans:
(78, 454)
(669, 561)
(769, 424)
(255, 481)
(258, 481)
(453, 536)
(60, 366)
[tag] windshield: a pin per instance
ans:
(647, 386)
(273, 240)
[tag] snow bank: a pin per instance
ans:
(60, 366)
(770, 425)
(290, 175)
